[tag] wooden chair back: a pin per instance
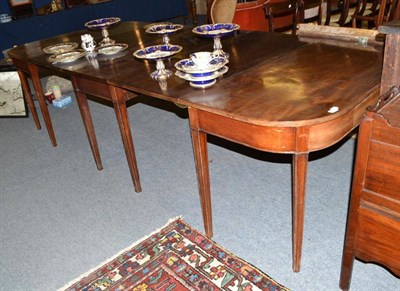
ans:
(222, 11)
(282, 15)
(310, 10)
(380, 12)
(337, 7)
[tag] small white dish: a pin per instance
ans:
(60, 48)
(67, 57)
(112, 49)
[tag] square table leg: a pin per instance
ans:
(34, 72)
(119, 102)
(199, 140)
(118, 97)
(202, 123)
(299, 165)
(88, 123)
(28, 96)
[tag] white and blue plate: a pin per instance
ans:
(156, 23)
(188, 66)
(217, 29)
(196, 78)
(164, 28)
(203, 84)
(157, 52)
(102, 22)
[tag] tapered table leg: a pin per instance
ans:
(347, 266)
(34, 72)
(29, 98)
(117, 96)
(199, 140)
(88, 123)
(300, 163)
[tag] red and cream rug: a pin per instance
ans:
(176, 257)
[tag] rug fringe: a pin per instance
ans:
(118, 254)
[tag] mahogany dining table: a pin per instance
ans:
(282, 94)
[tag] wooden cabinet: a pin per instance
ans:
(373, 223)
(72, 3)
(21, 8)
(373, 227)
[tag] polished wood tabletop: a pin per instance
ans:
(282, 94)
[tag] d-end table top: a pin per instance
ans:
(281, 94)
(273, 79)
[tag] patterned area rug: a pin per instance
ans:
(177, 257)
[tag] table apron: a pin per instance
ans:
(21, 65)
(276, 139)
(100, 89)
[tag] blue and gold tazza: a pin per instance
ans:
(188, 66)
(216, 31)
(158, 53)
(201, 77)
(164, 29)
(103, 24)
(202, 80)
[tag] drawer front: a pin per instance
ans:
(378, 238)
(383, 171)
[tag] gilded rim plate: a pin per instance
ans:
(156, 23)
(112, 49)
(204, 85)
(102, 22)
(60, 48)
(157, 52)
(188, 66)
(67, 57)
(217, 29)
(209, 76)
(164, 28)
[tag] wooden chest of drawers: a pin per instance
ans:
(373, 226)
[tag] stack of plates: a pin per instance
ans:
(201, 77)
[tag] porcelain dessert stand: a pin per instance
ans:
(201, 74)
(165, 29)
(103, 24)
(158, 53)
(216, 31)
